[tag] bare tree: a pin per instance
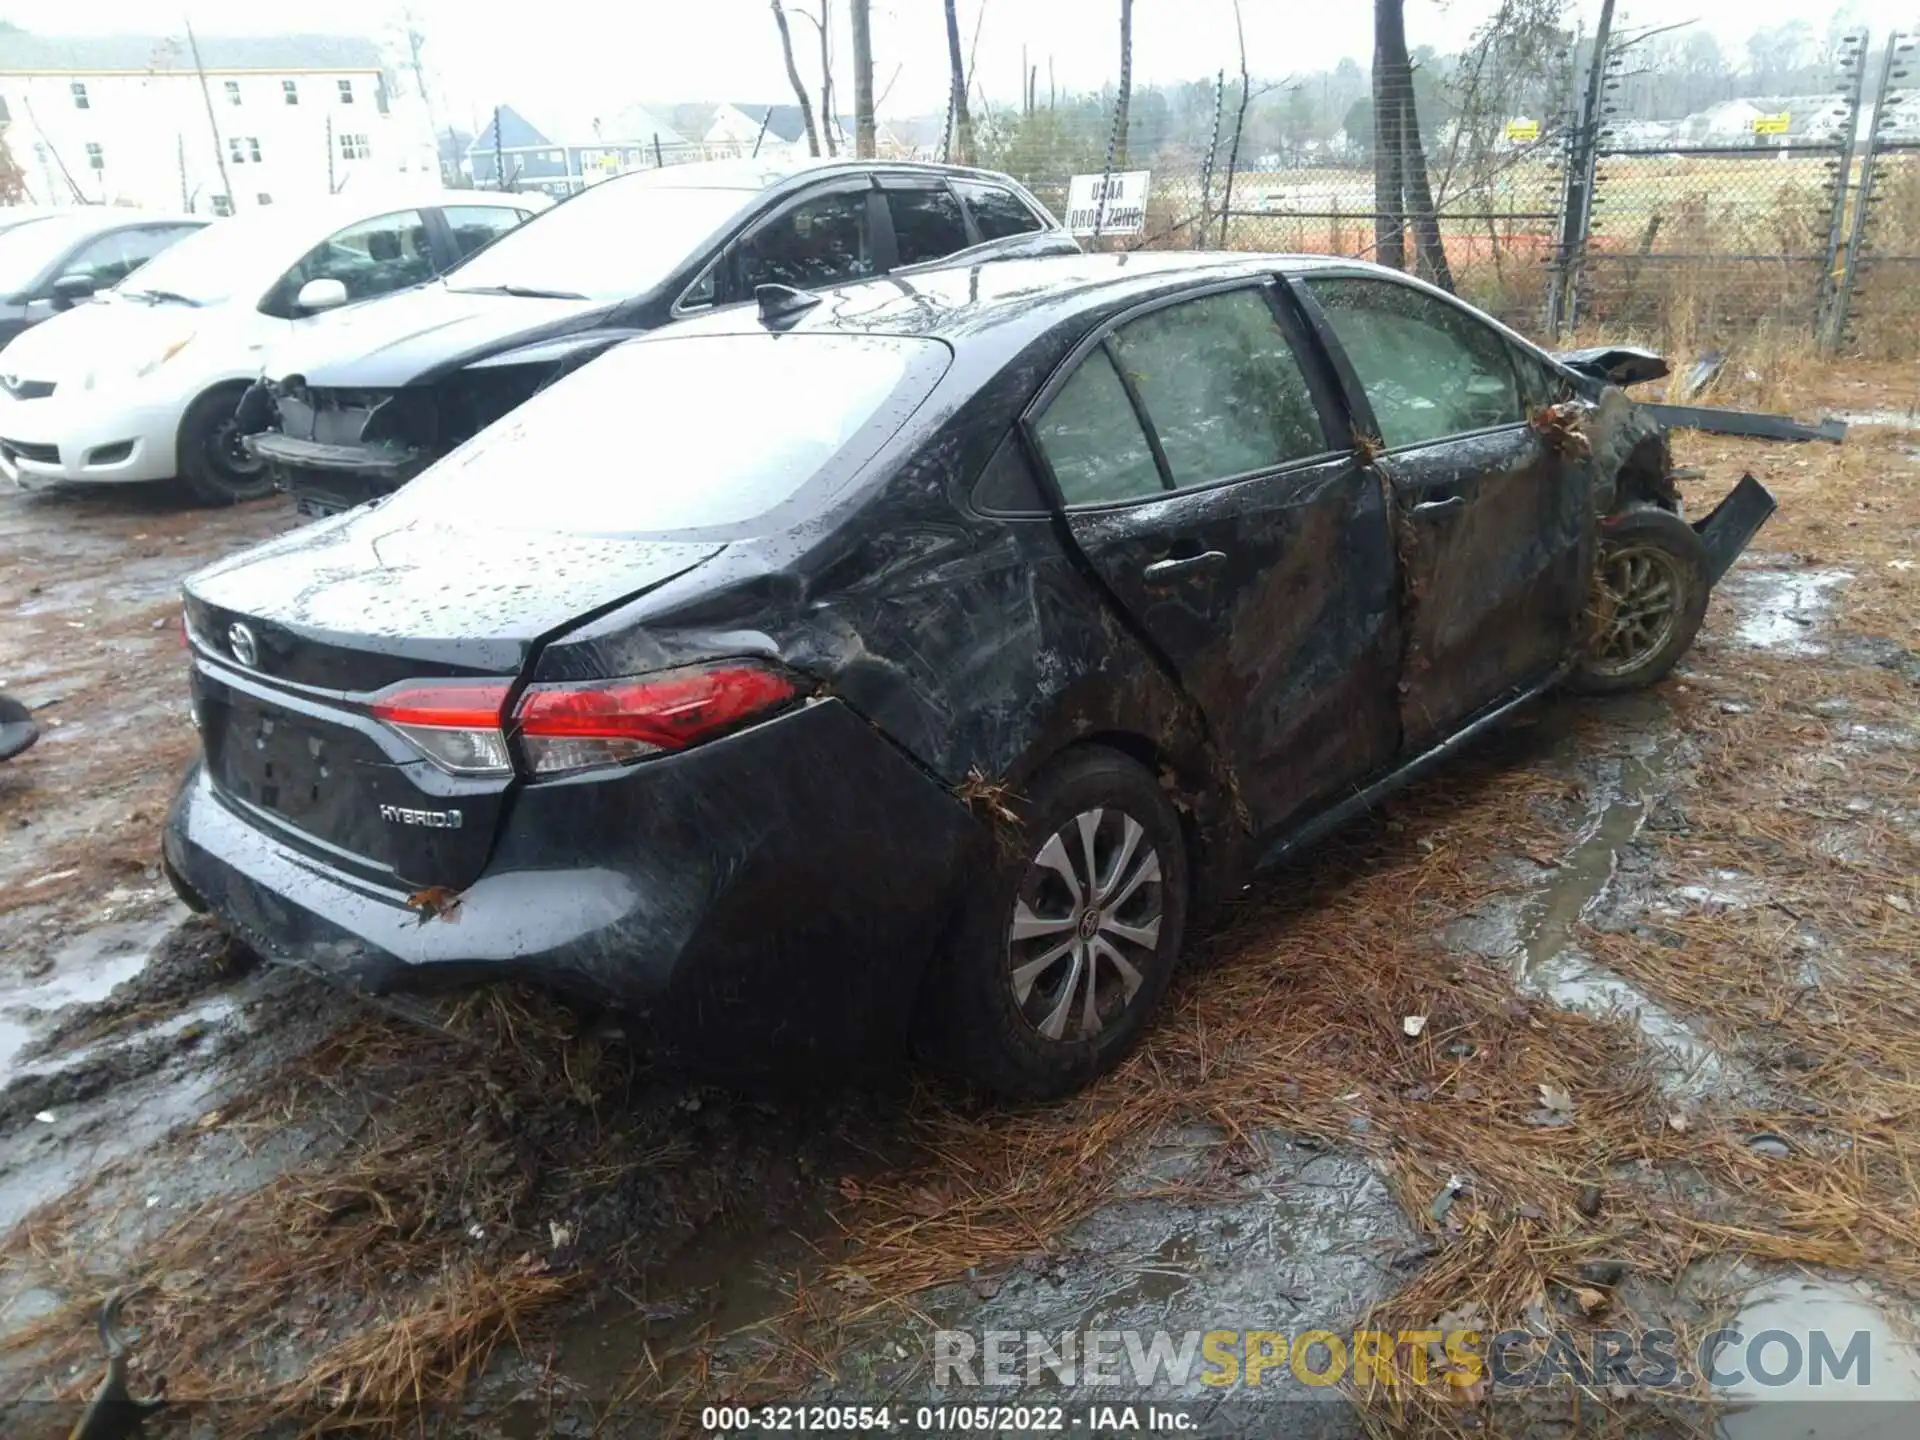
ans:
(863, 128)
(1389, 214)
(1426, 220)
(1125, 100)
(822, 23)
(793, 79)
(213, 128)
(1404, 166)
(959, 122)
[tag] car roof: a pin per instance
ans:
(88, 219)
(753, 174)
(1013, 298)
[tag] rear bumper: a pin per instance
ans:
(778, 890)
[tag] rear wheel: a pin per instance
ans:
(1649, 597)
(1065, 948)
(213, 462)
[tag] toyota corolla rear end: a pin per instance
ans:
(436, 747)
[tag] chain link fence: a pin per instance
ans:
(1726, 222)
(1877, 284)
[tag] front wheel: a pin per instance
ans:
(214, 464)
(1068, 943)
(1649, 596)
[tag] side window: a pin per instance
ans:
(927, 224)
(476, 225)
(104, 258)
(111, 258)
(699, 295)
(1222, 387)
(999, 213)
(1429, 369)
(822, 241)
(374, 257)
(1539, 385)
(1093, 440)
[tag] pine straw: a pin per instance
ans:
(362, 1285)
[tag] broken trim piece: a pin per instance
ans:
(1751, 424)
(1733, 523)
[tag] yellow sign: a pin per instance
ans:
(1772, 124)
(1523, 129)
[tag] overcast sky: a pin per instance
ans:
(561, 60)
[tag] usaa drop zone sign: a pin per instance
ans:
(1108, 204)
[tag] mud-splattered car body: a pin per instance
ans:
(377, 392)
(940, 614)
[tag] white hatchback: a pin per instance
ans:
(141, 384)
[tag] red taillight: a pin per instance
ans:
(456, 722)
(572, 727)
(457, 704)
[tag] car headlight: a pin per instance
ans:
(145, 362)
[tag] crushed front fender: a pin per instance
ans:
(1733, 523)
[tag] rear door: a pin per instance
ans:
(1201, 471)
(1493, 525)
(929, 223)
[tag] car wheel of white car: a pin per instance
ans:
(215, 466)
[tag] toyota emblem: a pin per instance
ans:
(240, 641)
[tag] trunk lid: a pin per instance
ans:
(292, 641)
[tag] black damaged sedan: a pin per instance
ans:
(919, 659)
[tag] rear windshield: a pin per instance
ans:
(682, 433)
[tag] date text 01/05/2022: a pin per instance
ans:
(942, 1419)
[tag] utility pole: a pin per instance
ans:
(213, 126)
(499, 164)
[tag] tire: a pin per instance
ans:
(212, 466)
(1034, 1043)
(1649, 597)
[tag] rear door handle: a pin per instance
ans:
(1435, 509)
(1164, 572)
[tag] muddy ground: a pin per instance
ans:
(339, 1210)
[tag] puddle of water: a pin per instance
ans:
(1571, 982)
(85, 970)
(1781, 609)
(1548, 959)
(209, 1012)
(1586, 874)
(1800, 1307)
(48, 1160)
(1307, 1246)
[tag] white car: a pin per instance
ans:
(141, 384)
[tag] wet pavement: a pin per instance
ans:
(124, 1026)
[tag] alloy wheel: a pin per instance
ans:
(1086, 924)
(1642, 591)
